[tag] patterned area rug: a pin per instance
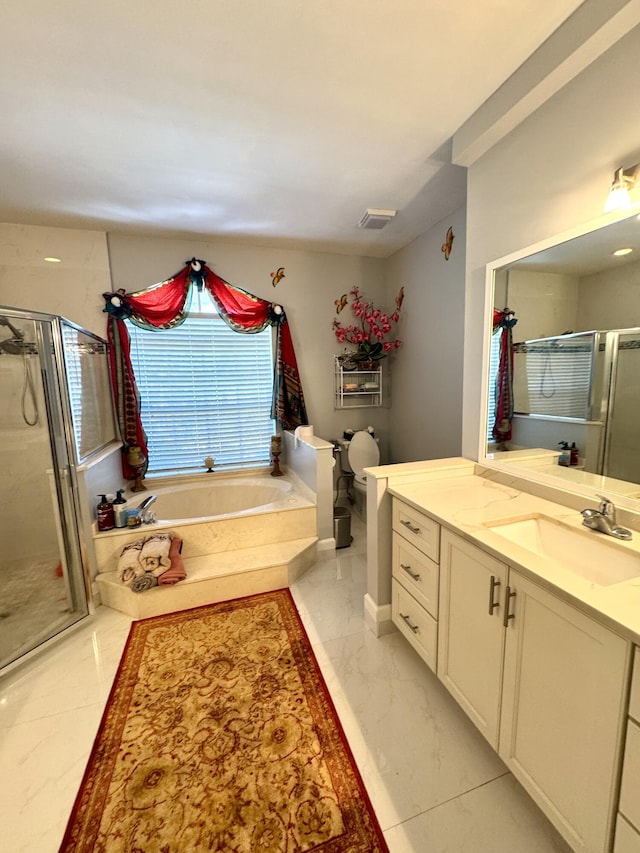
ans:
(220, 735)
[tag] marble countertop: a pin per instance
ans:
(467, 503)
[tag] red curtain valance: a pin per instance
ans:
(166, 305)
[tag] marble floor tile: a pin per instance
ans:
(77, 671)
(434, 782)
(413, 746)
(494, 818)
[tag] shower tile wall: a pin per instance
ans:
(25, 457)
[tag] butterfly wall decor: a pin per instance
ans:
(448, 243)
(340, 303)
(277, 276)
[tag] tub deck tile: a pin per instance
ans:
(215, 577)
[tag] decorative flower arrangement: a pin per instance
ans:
(374, 336)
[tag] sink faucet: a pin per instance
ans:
(146, 515)
(604, 519)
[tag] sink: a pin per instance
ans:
(593, 556)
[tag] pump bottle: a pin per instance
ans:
(120, 510)
(104, 514)
(565, 454)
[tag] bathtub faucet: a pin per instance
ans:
(146, 515)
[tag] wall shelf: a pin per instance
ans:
(357, 389)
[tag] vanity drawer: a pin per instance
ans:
(415, 623)
(417, 573)
(630, 789)
(627, 839)
(417, 528)
(634, 702)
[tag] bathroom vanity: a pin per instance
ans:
(532, 622)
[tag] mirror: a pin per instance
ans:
(576, 359)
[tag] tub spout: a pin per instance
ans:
(147, 516)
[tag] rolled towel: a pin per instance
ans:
(144, 582)
(177, 572)
(129, 565)
(155, 546)
(157, 565)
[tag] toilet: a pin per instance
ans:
(359, 453)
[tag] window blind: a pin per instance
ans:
(205, 390)
(494, 361)
(559, 376)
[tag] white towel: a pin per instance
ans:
(129, 566)
(155, 547)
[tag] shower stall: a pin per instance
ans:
(55, 413)
(583, 386)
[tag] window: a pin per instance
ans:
(558, 375)
(205, 390)
(494, 363)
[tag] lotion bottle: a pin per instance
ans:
(120, 510)
(573, 454)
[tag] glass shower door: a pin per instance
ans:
(622, 450)
(42, 590)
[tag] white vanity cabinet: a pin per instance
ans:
(471, 635)
(563, 703)
(544, 683)
(628, 822)
(415, 578)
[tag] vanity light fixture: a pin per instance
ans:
(623, 181)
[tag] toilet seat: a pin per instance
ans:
(363, 453)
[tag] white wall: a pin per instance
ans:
(426, 389)
(548, 176)
(610, 299)
(72, 288)
(545, 304)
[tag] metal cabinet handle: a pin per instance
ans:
(414, 628)
(493, 585)
(410, 526)
(507, 606)
(407, 569)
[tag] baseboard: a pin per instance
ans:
(378, 617)
(326, 548)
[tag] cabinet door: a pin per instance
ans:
(470, 639)
(562, 712)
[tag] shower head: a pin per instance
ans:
(12, 347)
(4, 321)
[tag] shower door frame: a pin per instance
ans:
(64, 481)
(612, 351)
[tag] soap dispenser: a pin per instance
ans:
(573, 454)
(120, 510)
(104, 514)
(565, 454)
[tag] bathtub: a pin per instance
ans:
(218, 498)
(216, 514)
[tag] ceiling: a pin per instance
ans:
(278, 122)
(589, 253)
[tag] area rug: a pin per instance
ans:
(220, 735)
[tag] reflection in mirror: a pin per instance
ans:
(575, 359)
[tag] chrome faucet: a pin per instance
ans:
(146, 515)
(603, 519)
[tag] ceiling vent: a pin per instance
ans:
(374, 218)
